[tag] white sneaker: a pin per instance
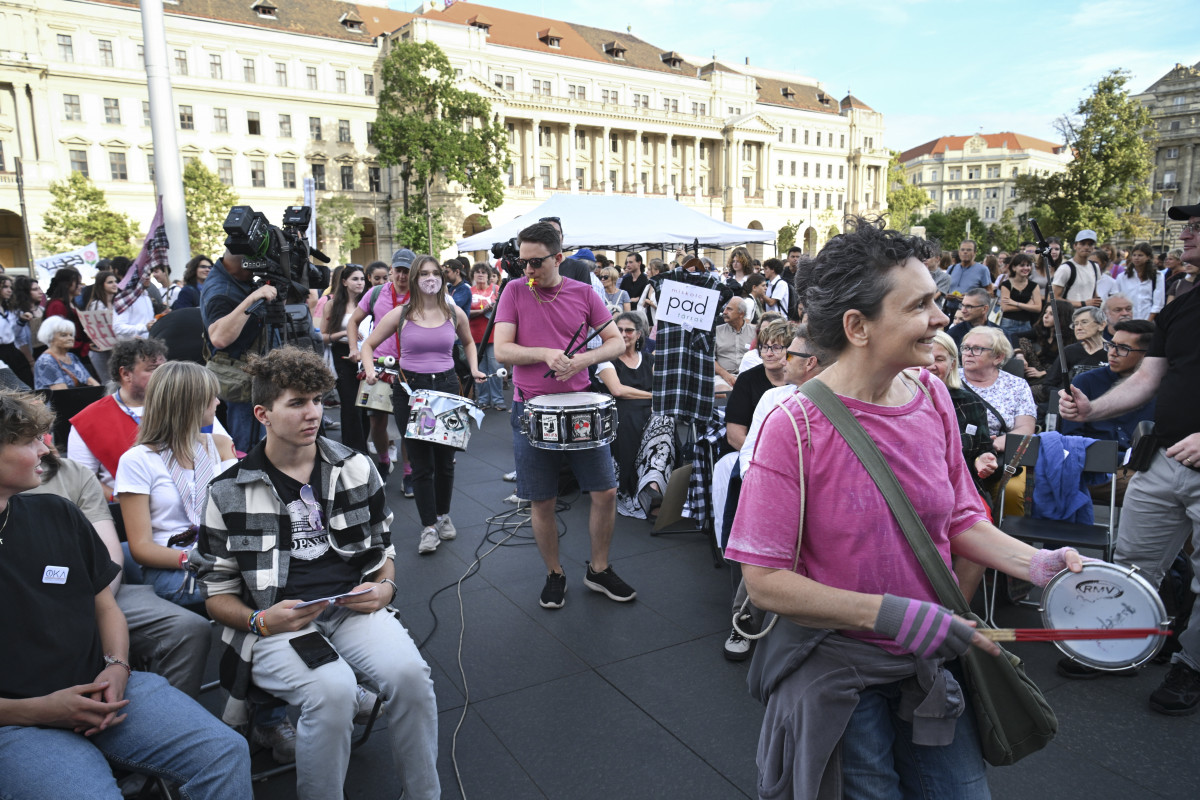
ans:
(392, 452)
(429, 540)
(446, 529)
(364, 706)
(371, 448)
(511, 477)
(513, 500)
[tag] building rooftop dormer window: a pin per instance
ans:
(788, 93)
(265, 9)
(615, 49)
(351, 21)
(672, 59)
(481, 22)
(551, 37)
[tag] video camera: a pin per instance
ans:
(279, 255)
(508, 253)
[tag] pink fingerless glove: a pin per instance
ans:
(1045, 564)
(924, 629)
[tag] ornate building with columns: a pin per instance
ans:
(268, 93)
(1174, 104)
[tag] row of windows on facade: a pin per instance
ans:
(973, 174)
(73, 110)
(216, 67)
(973, 194)
(118, 167)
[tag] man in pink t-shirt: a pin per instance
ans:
(535, 320)
(375, 304)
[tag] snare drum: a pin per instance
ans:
(439, 418)
(570, 421)
(377, 396)
(1105, 595)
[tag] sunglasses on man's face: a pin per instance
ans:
(522, 263)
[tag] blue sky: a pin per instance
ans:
(932, 67)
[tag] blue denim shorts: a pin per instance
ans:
(537, 470)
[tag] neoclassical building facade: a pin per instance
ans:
(268, 94)
(1174, 104)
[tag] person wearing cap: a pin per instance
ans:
(1078, 280)
(1161, 502)
(375, 304)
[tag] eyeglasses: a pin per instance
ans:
(774, 349)
(627, 330)
(1191, 227)
(966, 307)
(314, 509)
(551, 219)
(1122, 350)
(974, 350)
(522, 263)
(795, 354)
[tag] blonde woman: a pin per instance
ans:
(616, 297)
(162, 481)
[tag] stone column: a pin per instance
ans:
(535, 163)
(606, 159)
(696, 169)
(669, 164)
(635, 163)
(575, 186)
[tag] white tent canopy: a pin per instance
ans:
(605, 222)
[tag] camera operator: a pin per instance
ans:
(233, 327)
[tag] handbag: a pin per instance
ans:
(1012, 714)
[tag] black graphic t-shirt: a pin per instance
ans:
(316, 569)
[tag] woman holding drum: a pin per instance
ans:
(427, 328)
(850, 576)
(351, 283)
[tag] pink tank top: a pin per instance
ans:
(427, 349)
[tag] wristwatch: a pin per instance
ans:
(395, 589)
(111, 660)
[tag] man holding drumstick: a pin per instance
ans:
(534, 324)
(1162, 502)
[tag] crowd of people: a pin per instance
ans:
(236, 506)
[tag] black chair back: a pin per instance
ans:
(66, 403)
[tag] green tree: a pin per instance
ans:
(341, 226)
(1004, 234)
(786, 237)
(413, 228)
(950, 227)
(428, 127)
(904, 200)
(1106, 186)
(79, 214)
(207, 201)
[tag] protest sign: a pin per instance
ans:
(687, 305)
(99, 327)
(83, 259)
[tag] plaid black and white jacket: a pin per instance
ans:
(244, 530)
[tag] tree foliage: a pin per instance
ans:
(1106, 186)
(786, 238)
(950, 227)
(79, 215)
(207, 201)
(428, 127)
(412, 228)
(904, 200)
(341, 225)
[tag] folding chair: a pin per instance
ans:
(66, 403)
(1102, 456)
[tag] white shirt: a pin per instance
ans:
(142, 471)
(750, 360)
(8, 326)
(1147, 297)
(770, 398)
(778, 289)
(131, 323)
(1084, 287)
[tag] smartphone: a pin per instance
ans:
(314, 649)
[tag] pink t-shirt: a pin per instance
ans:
(549, 324)
(383, 304)
(851, 539)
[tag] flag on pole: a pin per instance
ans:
(153, 254)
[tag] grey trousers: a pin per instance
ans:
(1162, 509)
(173, 640)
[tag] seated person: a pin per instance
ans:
(162, 479)
(803, 362)
(734, 338)
(173, 640)
(973, 312)
(755, 292)
(72, 675)
(102, 432)
(1088, 352)
(1125, 353)
(338, 542)
(1038, 349)
(59, 367)
(644, 449)
(753, 358)
(772, 343)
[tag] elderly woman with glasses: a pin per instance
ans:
(1088, 351)
(1009, 400)
(644, 449)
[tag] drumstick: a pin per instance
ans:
(1067, 634)
(567, 351)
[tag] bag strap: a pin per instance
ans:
(992, 408)
(889, 486)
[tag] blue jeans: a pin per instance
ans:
(177, 585)
(1014, 327)
(166, 733)
(880, 761)
(243, 427)
(537, 469)
(491, 391)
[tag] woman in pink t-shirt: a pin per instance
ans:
(870, 301)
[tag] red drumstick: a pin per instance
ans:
(1066, 634)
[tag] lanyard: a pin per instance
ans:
(127, 409)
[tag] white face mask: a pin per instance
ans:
(429, 284)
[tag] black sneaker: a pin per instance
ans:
(555, 591)
(608, 583)
(1179, 694)
(1070, 668)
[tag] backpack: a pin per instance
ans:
(1072, 276)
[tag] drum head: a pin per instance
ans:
(571, 400)
(1105, 595)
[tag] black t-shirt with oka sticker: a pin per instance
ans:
(315, 569)
(52, 566)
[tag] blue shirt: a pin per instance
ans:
(963, 280)
(462, 296)
(220, 296)
(1094, 383)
